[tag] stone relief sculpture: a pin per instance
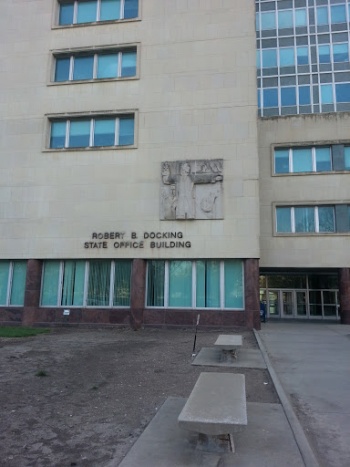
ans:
(191, 189)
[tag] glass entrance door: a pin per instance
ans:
(287, 303)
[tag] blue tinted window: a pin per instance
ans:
(283, 220)
(287, 56)
(83, 68)
(288, 96)
(131, 9)
(128, 64)
(66, 13)
(342, 92)
(270, 97)
(304, 219)
(285, 19)
(110, 10)
(302, 56)
(300, 17)
(259, 99)
(79, 134)
(340, 53)
(302, 160)
(257, 26)
(107, 66)
(347, 157)
(62, 69)
(326, 94)
(323, 159)
(324, 55)
(268, 20)
(58, 134)
(104, 132)
(322, 15)
(338, 14)
(326, 219)
(269, 58)
(281, 161)
(304, 95)
(126, 131)
(258, 59)
(87, 11)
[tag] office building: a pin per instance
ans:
(144, 181)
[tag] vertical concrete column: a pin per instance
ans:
(251, 282)
(32, 291)
(344, 295)
(137, 293)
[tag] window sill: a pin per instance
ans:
(99, 148)
(95, 23)
(90, 81)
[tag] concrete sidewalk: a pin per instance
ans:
(312, 363)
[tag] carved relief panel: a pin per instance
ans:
(191, 189)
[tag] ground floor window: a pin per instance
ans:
(94, 283)
(12, 282)
(300, 296)
(195, 284)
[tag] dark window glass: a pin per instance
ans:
(62, 69)
(131, 9)
(58, 135)
(104, 133)
(281, 161)
(326, 219)
(342, 92)
(155, 283)
(288, 96)
(126, 131)
(79, 134)
(66, 13)
(270, 97)
(83, 68)
(304, 95)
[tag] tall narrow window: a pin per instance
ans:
(50, 286)
(99, 283)
(180, 284)
(155, 283)
(122, 275)
(73, 283)
(208, 284)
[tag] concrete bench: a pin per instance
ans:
(216, 409)
(229, 343)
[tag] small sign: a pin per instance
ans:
(66, 312)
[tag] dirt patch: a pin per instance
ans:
(97, 391)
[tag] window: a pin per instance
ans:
(305, 219)
(100, 131)
(12, 282)
(195, 284)
(102, 65)
(303, 159)
(90, 11)
(95, 283)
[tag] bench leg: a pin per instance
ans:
(215, 443)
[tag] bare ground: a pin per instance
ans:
(98, 390)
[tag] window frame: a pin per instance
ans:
(315, 207)
(91, 116)
(56, 15)
(112, 276)
(313, 148)
(94, 52)
(194, 306)
(10, 277)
